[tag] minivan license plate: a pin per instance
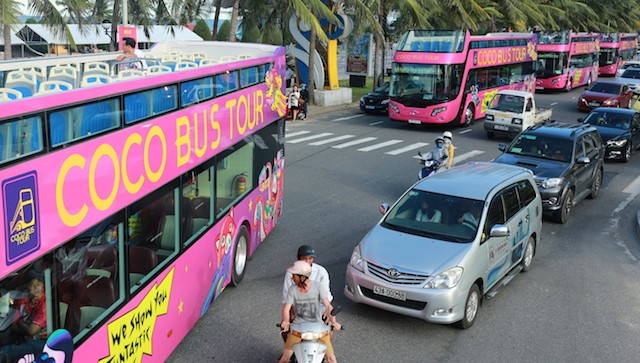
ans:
(398, 295)
(417, 122)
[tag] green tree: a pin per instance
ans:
(9, 11)
(250, 33)
(223, 32)
(202, 29)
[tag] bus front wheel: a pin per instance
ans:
(568, 86)
(240, 256)
(468, 116)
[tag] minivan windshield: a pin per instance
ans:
(439, 216)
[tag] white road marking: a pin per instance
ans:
(462, 157)
(376, 123)
(327, 141)
(318, 136)
(411, 147)
(298, 133)
(554, 103)
(633, 187)
(354, 142)
(347, 118)
(380, 145)
(465, 131)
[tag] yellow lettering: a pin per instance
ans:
(243, 105)
(155, 131)
(132, 188)
(215, 125)
(183, 142)
(230, 105)
(258, 104)
(103, 150)
(68, 218)
(200, 150)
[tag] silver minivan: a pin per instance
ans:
(450, 240)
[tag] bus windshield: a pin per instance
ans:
(553, 37)
(434, 41)
(419, 85)
(608, 56)
(551, 64)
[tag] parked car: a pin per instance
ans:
(437, 264)
(567, 160)
(626, 65)
(619, 129)
(510, 112)
(376, 101)
(631, 77)
(609, 93)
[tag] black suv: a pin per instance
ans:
(567, 160)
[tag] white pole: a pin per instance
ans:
(125, 12)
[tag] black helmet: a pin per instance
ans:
(306, 250)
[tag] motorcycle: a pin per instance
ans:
(310, 349)
(429, 165)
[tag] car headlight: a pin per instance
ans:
(516, 121)
(609, 102)
(617, 143)
(445, 280)
(356, 259)
(583, 100)
(489, 117)
(361, 99)
(554, 81)
(384, 102)
(394, 108)
(436, 111)
(552, 183)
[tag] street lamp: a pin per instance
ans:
(106, 25)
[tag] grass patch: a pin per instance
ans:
(358, 92)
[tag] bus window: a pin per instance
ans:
(137, 106)
(197, 188)
(234, 176)
(20, 137)
(248, 76)
(163, 99)
(196, 91)
(226, 82)
(82, 121)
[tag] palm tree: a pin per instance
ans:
(9, 10)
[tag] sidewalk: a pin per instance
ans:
(319, 110)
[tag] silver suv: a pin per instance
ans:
(443, 246)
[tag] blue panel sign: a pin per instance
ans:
(21, 216)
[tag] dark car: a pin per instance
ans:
(605, 94)
(376, 101)
(567, 160)
(619, 129)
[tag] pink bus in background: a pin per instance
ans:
(566, 59)
(615, 50)
(449, 77)
(134, 201)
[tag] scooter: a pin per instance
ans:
(310, 349)
(429, 165)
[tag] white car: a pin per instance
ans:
(631, 77)
(626, 65)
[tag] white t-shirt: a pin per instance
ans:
(318, 273)
(139, 53)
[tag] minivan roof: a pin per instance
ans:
(474, 180)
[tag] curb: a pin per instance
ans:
(638, 223)
(319, 110)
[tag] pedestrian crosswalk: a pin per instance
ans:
(367, 144)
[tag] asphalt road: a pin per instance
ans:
(577, 304)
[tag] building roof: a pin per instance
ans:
(14, 38)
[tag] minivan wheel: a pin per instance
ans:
(471, 308)
(595, 184)
(529, 251)
(563, 214)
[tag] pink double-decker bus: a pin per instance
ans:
(131, 200)
(615, 50)
(441, 76)
(566, 59)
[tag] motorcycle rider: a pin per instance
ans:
(439, 154)
(306, 297)
(448, 144)
(318, 273)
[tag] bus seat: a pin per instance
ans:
(47, 87)
(41, 73)
(94, 294)
(64, 73)
(57, 128)
(200, 211)
(73, 65)
(415, 46)
(208, 62)
(94, 80)
(9, 94)
(96, 68)
(167, 225)
(25, 82)
(163, 100)
(136, 107)
(228, 58)
(105, 263)
(142, 260)
(185, 65)
(159, 69)
(244, 56)
(170, 61)
(36, 139)
(130, 74)
(198, 57)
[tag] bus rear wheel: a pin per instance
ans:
(240, 256)
(468, 116)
